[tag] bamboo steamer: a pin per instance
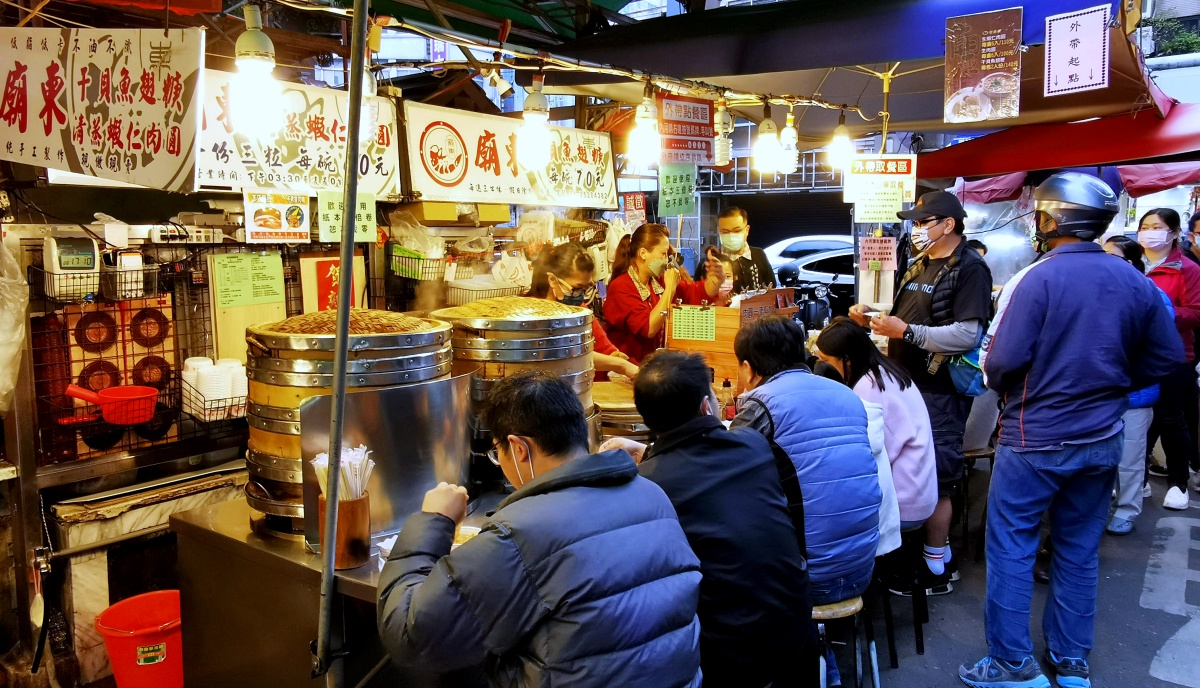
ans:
(286, 368)
(619, 416)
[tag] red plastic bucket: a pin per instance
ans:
(144, 641)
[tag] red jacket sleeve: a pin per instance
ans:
(603, 345)
(694, 294)
(1187, 311)
(625, 310)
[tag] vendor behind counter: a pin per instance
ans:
(643, 277)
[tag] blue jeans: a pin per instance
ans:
(842, 588)
(1075, 483)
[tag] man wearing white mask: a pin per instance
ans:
(942, 308)
(751, 269)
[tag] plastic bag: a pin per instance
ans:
(14, 304)
(513, 269)
(414, 236)
(616, 230)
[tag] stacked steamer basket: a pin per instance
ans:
(503, 336)
(291, 361)
(619, 416)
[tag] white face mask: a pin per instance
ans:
(920, 238)
(1155, 239)
(726, 288)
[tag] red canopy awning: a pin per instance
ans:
(1139, 137)
(1143, 180)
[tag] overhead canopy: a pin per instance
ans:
(780, 49)
(1128, 138)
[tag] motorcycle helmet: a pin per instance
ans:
(1080, 205)
(789, 275)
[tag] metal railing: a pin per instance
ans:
(811, 174)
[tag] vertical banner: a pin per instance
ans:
(1077, 46)
(676, 190)
(117, 104)
(686, 127)
(983, 66)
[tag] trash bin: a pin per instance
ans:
(144, 642)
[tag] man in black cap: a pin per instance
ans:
(942, 309)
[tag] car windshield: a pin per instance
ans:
(836, 265)
(799, 249)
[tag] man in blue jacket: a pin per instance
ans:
(755, 606)
(582, 578)
(1074, 334)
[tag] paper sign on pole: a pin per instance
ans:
(635, 209)
(1077, 46)
(876, 253)
(330, 217)
(882, 171)
(467, 157)
(307, 154)
(275, 216)
(119, 104)
(676, 190)
(686, 127)
(878, 203)
(983, 66)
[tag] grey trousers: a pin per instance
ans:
(1132, 471)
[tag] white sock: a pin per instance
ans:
(934, 559)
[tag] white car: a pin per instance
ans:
(789, 250)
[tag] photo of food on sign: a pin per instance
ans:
(267, 218)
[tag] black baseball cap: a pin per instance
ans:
(935, 204)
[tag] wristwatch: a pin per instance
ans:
(909, 335)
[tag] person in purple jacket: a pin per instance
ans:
(1074, 333)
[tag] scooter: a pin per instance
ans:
(812, 298)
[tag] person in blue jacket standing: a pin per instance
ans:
(1074, 333)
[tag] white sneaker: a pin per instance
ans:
(1147, 493)
(1176, 499)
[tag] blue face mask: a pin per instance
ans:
(573, 299)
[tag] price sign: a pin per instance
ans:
(877, 253)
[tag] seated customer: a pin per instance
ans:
(755, 610)
(822, 427)
(582, 577)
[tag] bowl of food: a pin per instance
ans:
(968, 105)
(462, 535)
(268, 218)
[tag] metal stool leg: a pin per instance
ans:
(889, 629)
(872, 650)
(858, 663)
(821, 651)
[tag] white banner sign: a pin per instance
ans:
(467, 157)
(868, 172)
(1077, 51)
(118, 104)
(307, 154)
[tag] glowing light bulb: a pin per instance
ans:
(534, 139)
(255, 100)
(767, 150)
(645, 145)
(789, 154)
(840, 150)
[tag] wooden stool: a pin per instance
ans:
(845, 609)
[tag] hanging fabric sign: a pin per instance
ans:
(1077, 51)
(676, 190)
(117, 104)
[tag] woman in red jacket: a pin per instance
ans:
(641, 280)
(1175, 414)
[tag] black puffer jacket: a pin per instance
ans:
(582, 578)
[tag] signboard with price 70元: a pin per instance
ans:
(117, 104)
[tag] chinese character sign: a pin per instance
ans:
(331, 213)
(114, 103)
(686, 127)
(676, 189)
(983, 66)
(466, 157)
(1077, 51)
(274, 216)
(635, 209)
(867, 172)
(877, 253)
(308, 154)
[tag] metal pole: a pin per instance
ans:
(358, 54)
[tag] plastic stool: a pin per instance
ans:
(846, 609)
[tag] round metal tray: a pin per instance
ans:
(521, 344)
(274, 507)
(580, 383)
(358, 342)
(278, 468)
(353, 366)
(524, 355)
(282, 427)
(584, 318)
(359, 380)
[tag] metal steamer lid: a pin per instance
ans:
(260, 336)
(352, 380)
(354, 366)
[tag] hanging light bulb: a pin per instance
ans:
(534, 139)
(722, 144)
(789, 154)
(368, 119)
(645, 145)
(766, 149)
(840, 150)
(256, 107)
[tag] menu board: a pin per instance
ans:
(983, 66)
(276, 217)
(117, 104)
(248, 279)
(694, 322)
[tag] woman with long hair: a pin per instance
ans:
(564, 274)
(908, 433)
(644, 285)
(1175, 414)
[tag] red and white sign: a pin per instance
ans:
(467, 157)
(686, 127)
(635, 209)
(118, 104)
(877, 253)
(886, 171)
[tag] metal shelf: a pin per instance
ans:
(120, 462)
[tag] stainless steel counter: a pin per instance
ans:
(249, 605)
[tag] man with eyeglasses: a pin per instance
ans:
(942, 308)
(751, 269)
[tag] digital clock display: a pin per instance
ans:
(76, 254)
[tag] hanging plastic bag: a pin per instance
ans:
(14, 304)
(414, 236)
(513, 269)
(616, 230)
